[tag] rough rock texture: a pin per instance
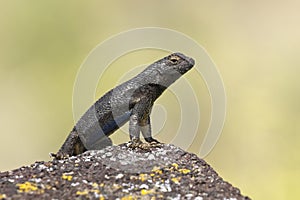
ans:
(118, 172)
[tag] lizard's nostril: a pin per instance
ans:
(191, 61)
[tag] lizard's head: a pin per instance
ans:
(179, 63)
(170, 68)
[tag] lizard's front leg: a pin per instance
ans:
(147, 132)
(134, 130)
(140, 122)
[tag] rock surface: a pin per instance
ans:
(118, 172)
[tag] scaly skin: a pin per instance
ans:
(131, 101)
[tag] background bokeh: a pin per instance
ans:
(255, 45)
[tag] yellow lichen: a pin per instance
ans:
(175, 180)
(129, 197)
(95, 185)
(117, 186)
(133, 177)
(66, 177)
(157, 170)
(143, 177)
(84, 192)
(175, 165)
(184, 171)
(95, 191)
(145, 192)
(29, 187)
(2, 196)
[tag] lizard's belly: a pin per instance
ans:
(114, 122)
(94, 129)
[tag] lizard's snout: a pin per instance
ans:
(191, 61)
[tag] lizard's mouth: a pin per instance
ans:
(191, 61)
(186, 68)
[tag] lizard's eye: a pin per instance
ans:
(174, 59)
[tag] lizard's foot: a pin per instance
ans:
(140, 145)
(153, 142)
(59, 156)
(135, 142)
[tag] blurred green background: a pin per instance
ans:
(255, 44)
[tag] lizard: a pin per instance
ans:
(130, 101)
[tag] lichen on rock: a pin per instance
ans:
(119, 172)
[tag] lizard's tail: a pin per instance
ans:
(71, 147)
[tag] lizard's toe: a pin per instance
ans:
(155, 144)
(134, 143)
(151, 140)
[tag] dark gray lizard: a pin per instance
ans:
(131, 101)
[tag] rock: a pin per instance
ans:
(165, 172)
